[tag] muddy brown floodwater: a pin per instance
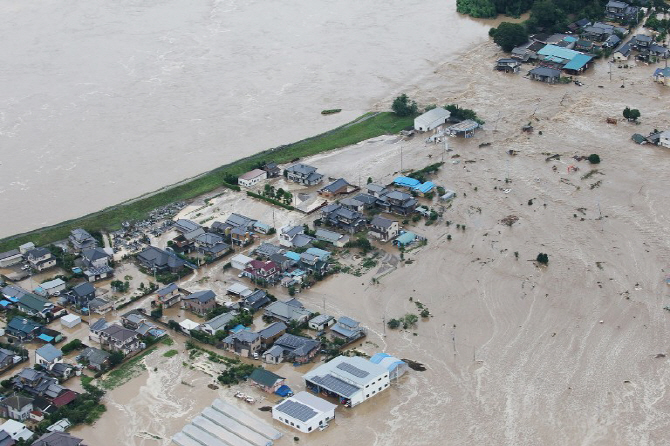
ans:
(515, 354)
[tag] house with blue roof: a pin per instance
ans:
(406, 182)
(23, 329)
(662, 76)
(395, 366)
(48, 355)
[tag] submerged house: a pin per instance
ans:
(431, 119)
(544, 74)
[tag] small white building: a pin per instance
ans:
(431, 120)
(16, 430)
(304, 412)
(70, 320)
(26, 247)
(252, 178)
(187, 325)
(352, 379)
(240, 261)
(664, 139)
(321, 322)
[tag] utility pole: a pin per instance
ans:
(384, 324)
(400, 160)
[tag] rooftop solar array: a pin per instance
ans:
(352, 370)
(335, 384)
(297, 410)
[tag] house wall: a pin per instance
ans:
(252, 181)
(9, 261)
(665, 139)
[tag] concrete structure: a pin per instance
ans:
(321, 322)
(304, 412)
(395, 366)
(70, 320)
(187, 325)
(431, 120)
(252, 178)
(240, 261)
(351, 379)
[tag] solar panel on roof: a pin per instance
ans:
(297, 410)
(336, 385)
(352, 370)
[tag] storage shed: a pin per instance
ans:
(70, 320)
(431, 119)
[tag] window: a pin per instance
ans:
(310, 429)
(386, 385)
(367, 396)
(292, 423)
(380, 388)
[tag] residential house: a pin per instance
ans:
(598, 32)
(133, 319)
(100, 305)
(61, 370)
(94, 358)
(167, 296)
(117, 338)
(199, 302)
(282, 261)
(294, 236)
(383, 228)
(335, 238)
(352, 379)
(17, 430)
(431, 119)
(38, 383)
(211, 245)
(256, 300)
(96, 328)
(266, 380)
(34, 305)
(23, 329)
(188, 325)
(353, 203)
(641, 42)
(397, 202)
(623, 53)
(6, 359)
(304, 412)
(337, 187)
(303, 174)
(272, 170)
(155, 259)
(296, 349)
(265, 250)
(95, 263)
(544, 74)
(376, 190)
(81, 294)
(664, 139)
(611, 41)
(16, 407)
(10, 258)
(243, 343)
(321, 322)
(621, 11)
(662, 76)
(288, 311)
(40, 259)
(13, 293)
(185, 242)
(271, 333)
(185, 226)
(315, 260)
(406, 238)
(48, 355)
(58, 439)
(252, 178)
(347, 329)
(584, 45)
(81, 239)
(241, 236)
(343, 218)
(508, 65)
(263, 271)
(218, 323)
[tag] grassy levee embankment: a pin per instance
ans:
(365, 127)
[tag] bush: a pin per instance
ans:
(542, 258)
(74, 344)
(402, 106)
(594, 158)
(393, 324)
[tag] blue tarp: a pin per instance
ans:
(406, 181)
(406, 238)
(240, 327)
(46, 338)
(4, 303)
(284, 391)
(292, 255)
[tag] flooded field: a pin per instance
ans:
(95, 95)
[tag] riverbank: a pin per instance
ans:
(365, 127)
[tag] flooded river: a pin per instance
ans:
(103, 101)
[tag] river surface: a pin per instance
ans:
(103, 101)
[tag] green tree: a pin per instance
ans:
(409, 320)
(369, 180)
(634, 114)
(509, 35)
(626, 113)
(402, 106)
(594, 158)
(543, 258)
(116, 358)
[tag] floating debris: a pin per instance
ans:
(417, 366)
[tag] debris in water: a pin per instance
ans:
(660, 355)
(213, 386)
(265, 408)
(417, 366)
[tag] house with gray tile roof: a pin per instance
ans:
(243, 343)
(81, 239)
(303, 174)
(48, 355)
(295, 349)
(287, 311)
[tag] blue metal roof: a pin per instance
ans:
(578, 62)
(292, 255)
(558, 51)
(570, 39)
(406, 181)
(425, 187)
(45, 338)
(406, 238)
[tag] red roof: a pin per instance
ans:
(64, 398)
(263, 266)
